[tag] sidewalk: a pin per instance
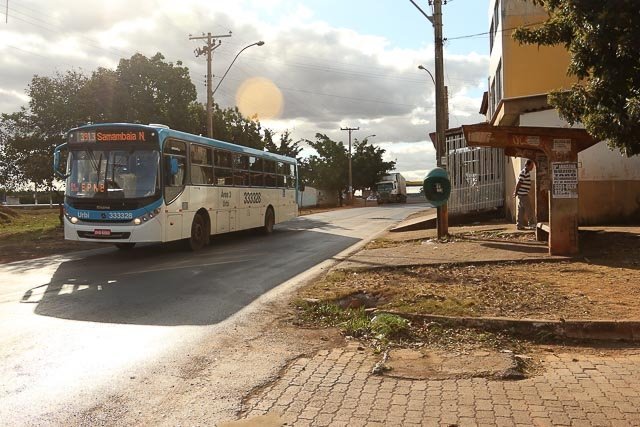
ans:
(574, 387)
(336, 388)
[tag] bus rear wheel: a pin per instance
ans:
(125, 246)
(269, 221)
(199, 234)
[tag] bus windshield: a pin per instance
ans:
(127, 174)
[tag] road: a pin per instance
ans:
(157, 334)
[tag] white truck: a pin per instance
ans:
(392, 188)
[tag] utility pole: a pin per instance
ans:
(441, 110)
(350, 173)
(208, 48)
(442, 100)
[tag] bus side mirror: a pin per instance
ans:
(56, 162)
(173, 166)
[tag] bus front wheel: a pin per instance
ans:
(199, 234)
(269, 221)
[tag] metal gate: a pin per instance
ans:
(476, 174)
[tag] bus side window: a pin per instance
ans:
(223, 167)
(201, 165)
(257, 174)
(175, 169)
(240, 170)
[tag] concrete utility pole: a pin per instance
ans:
(441, 119)
(208, 48)
(441, 108)
(350, 173)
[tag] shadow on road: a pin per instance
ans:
(166, 285)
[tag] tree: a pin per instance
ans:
(151, 90)
(10, 173)
(367, 165)
(328, 169)
(602, 39)
(27, 152)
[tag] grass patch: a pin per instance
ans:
(353, 322)
(30, 225)
(390, 326)
(443, 306)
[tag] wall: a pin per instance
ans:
(308, 197)
(608, 182)
(520, 62)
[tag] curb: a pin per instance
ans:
(596, 330)
(556, 258)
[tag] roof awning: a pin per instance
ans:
(527, 137)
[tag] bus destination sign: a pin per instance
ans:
(98, 136)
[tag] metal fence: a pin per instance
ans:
(476, 174)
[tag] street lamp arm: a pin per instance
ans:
(260, 43)
(430, 18)
(420, 67)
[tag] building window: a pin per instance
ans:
(495, 24)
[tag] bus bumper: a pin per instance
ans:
(150, 231)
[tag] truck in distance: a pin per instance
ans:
(392, 188)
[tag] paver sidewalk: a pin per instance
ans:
(336, 388)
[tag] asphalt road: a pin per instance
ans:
(88, 337)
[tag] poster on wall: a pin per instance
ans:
(564, 180)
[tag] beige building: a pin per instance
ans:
(520, 77)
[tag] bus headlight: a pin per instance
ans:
(137, 221)
(74, 220)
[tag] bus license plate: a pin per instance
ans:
(101, 232)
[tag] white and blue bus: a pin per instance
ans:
(130, 183)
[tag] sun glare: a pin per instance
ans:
(259, 97)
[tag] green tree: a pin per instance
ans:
(367, 165)
(26, 152)
(150, 90)
(10, 173)
(54, 105)
(230, 125)
(328, 169)
(602, 39)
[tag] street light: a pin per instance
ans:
(368, 136)
(260, 43)
(420, 67)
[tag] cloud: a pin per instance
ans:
(328, 76)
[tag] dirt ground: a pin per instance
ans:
(601, 283)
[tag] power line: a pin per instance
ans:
(489, 32)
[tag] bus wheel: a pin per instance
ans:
(269, 221)
(125, 246)
(199, 237)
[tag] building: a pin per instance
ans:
(520, 77)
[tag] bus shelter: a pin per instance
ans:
(555, 154)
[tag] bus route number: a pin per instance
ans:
(252, 198)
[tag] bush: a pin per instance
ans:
(389, 326)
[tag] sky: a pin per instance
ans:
(325, 64)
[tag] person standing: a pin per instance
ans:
(525, 211)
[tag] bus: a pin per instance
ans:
(131, 183)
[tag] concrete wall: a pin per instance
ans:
(609, 183)
(519, 63)
(308, 197)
